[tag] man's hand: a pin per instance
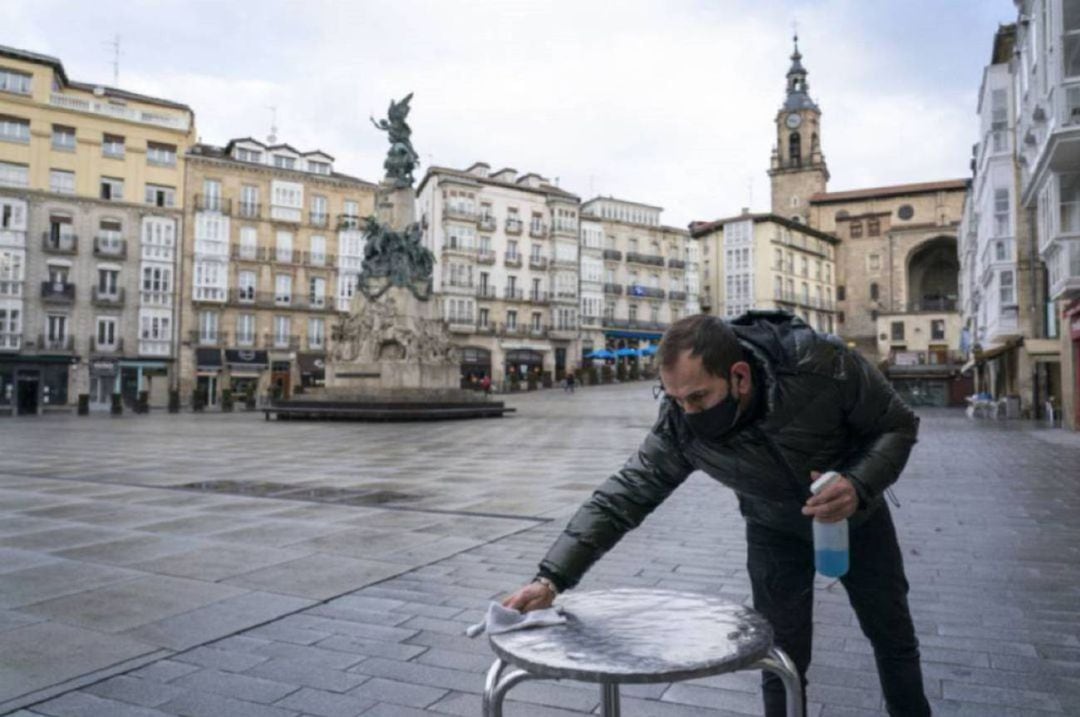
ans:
(833, 504)
(534, 596)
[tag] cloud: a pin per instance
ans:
(669, 103)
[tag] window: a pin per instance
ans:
(249, 239)
(283, 247)
(1001, 212)
(211, 199)
(316, 333)
(112, 145)
(249, 201)
(157, 280)
(318, 251)
(282, 330)
(108, 280)
(804, 269)
(873, 291)
(1000, 253)
(245, 329)
(282, 162)
(855, 228)
(937, 330)
(16, 82)
(319, 167)
(63, 138)
(319, 211)
(10, 328)
(632, 312)
(873, 227)
(905, 212)
(484, 317)
(160, 195)
(1070, 17)
(245, 283)
(249, 155)
(161, 154)
(61, 182)
(208, 327)
(873, 262)
(106, 332)
(1069, 192)
(1007, 290)
(14, 129)
(56, 329)
(511, 319)
(317, 292)
(154, 328)
(795, 149)
(112, 188)
(283, 289)
(897, 331)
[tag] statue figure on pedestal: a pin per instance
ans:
(402, 158)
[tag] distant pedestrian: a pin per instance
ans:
(568, 384)
(485, 384)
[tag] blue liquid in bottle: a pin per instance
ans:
(831, 563)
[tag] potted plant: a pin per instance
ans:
(142, 402)
(174, 401)
(117, 406)
(546, 379)
(226, 400)
(532, 382)
(515, 383)
(84, 404)
(198, 400)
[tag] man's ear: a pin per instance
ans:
(741, 376)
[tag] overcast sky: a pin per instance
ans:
(668, 102)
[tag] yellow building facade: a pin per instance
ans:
(90, 213)
(273, 247)
(765, 261)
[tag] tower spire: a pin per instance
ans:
(798, 88)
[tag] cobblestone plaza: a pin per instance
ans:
(217, 564)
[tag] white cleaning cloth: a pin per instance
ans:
(501, 619)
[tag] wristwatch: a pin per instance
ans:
(546, 582)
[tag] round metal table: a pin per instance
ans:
(637, 636)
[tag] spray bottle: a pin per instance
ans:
(830, 539)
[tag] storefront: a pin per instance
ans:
(104, 373)
(207, 375)
(281, 379)
(149, 376)
(30, 385)
(312, 368)
(246, 367)
(1072, 321)
(519, 364)
(475, 364)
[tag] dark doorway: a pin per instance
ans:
(27, 396)
(560, 364)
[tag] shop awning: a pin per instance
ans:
(650, 335)
(995, 351)
(312, 364)
(208, 359)
(246, 360)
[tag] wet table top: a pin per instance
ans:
(640, 635)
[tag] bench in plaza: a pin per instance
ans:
(294, 409)
(635, 636)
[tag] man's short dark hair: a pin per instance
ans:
(707, 337)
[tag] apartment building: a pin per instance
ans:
(273, 246)
(637, 275)
(506, 274)
(90, 213)
(766, 261)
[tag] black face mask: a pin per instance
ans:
(713, 423)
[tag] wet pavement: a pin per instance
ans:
(218, 564)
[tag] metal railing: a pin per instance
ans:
(213, 203)
(538, 229)
(249, 210)
(613, 254)
(677, 295)
(279, 341)
(51, 343)
(539, 297)
(116, 347)
(613, 289)
(676, 264)
(59, 243)
(511, 294)
(453, 212)
(513, 226)
(110, 247)
(486, 292)
(59, 292)
(512, 259)
(538, 262)
(487, 222)
(650, 259)
(348, 221)
(107, 298)
(647, 291)
(199, 338)
(485, 256)
(318, 219)
(248, 253)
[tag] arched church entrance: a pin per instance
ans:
(933, 274)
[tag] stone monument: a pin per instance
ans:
(392, 353)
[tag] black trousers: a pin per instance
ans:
(781, 570)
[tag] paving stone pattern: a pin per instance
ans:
(239, 605)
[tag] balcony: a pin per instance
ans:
(110, 247)
(320, 259)
(485, 328)
(563, 333)
(612, 255)
(464, 214)
(487, 223)
(590, 320)
(485, 291)
(649, 259)
(280, 341)
(212, 203)
(456, 248)
(58, 292)
(246, 252)
(459, 287)
(512, 294)
(1063, 269)
(513, 260)
(244, 297)
(10, 341)
(209, 295)
(155, 347)
(566, 227)
(107, 299)
(565, 263)
(97, 347)
(539, 297)
(284, 213)
(62, 344)
(635, 324)
(346, 222)
(537, 331)
(645, 291)
(485, 256)
(677, 295)
(249, 210)
(318, 219)
(511, 330)
(513, 226)
(676, 264)
(11, 289)
(538, 262)
(199, 338)
(566, 297)
(615, 289)
(156, 297)
(538, 230)
(180, 122)
(53, 243)
(461, 324)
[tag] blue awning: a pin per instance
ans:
(633, 334)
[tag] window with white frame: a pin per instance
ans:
(245, 329)
(249, 155)
(112, 188)
(316, 332)
(284, 162)
(106, 332)
(249, 200)
(156, 283)
(287, 200)
(345, 289)
(319, 210)
(1070, 12)
(283, 289)
(318, 250)
(14, 129)
(282, 330)
(14, 81)
(12, 214)
(63, 138)
(158, 238)
(249, 241)
(1069, 201)
(511, 319)
(318, 167)
(14, 175)
(56, 326)
(211, 234)
(10, 327)
(160, 195)
(210, 281)
(284, 246)
(245, 286)
(566, 319)
(459, 311)
(161, 154)
(1007, 293)
(1001, 212)
(592, 269)
(317, 292)
(61, 181)
(208, 327)
(154, 327)
(112, 145)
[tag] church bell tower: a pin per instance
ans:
(798, 169)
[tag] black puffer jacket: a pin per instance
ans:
(826, 408)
